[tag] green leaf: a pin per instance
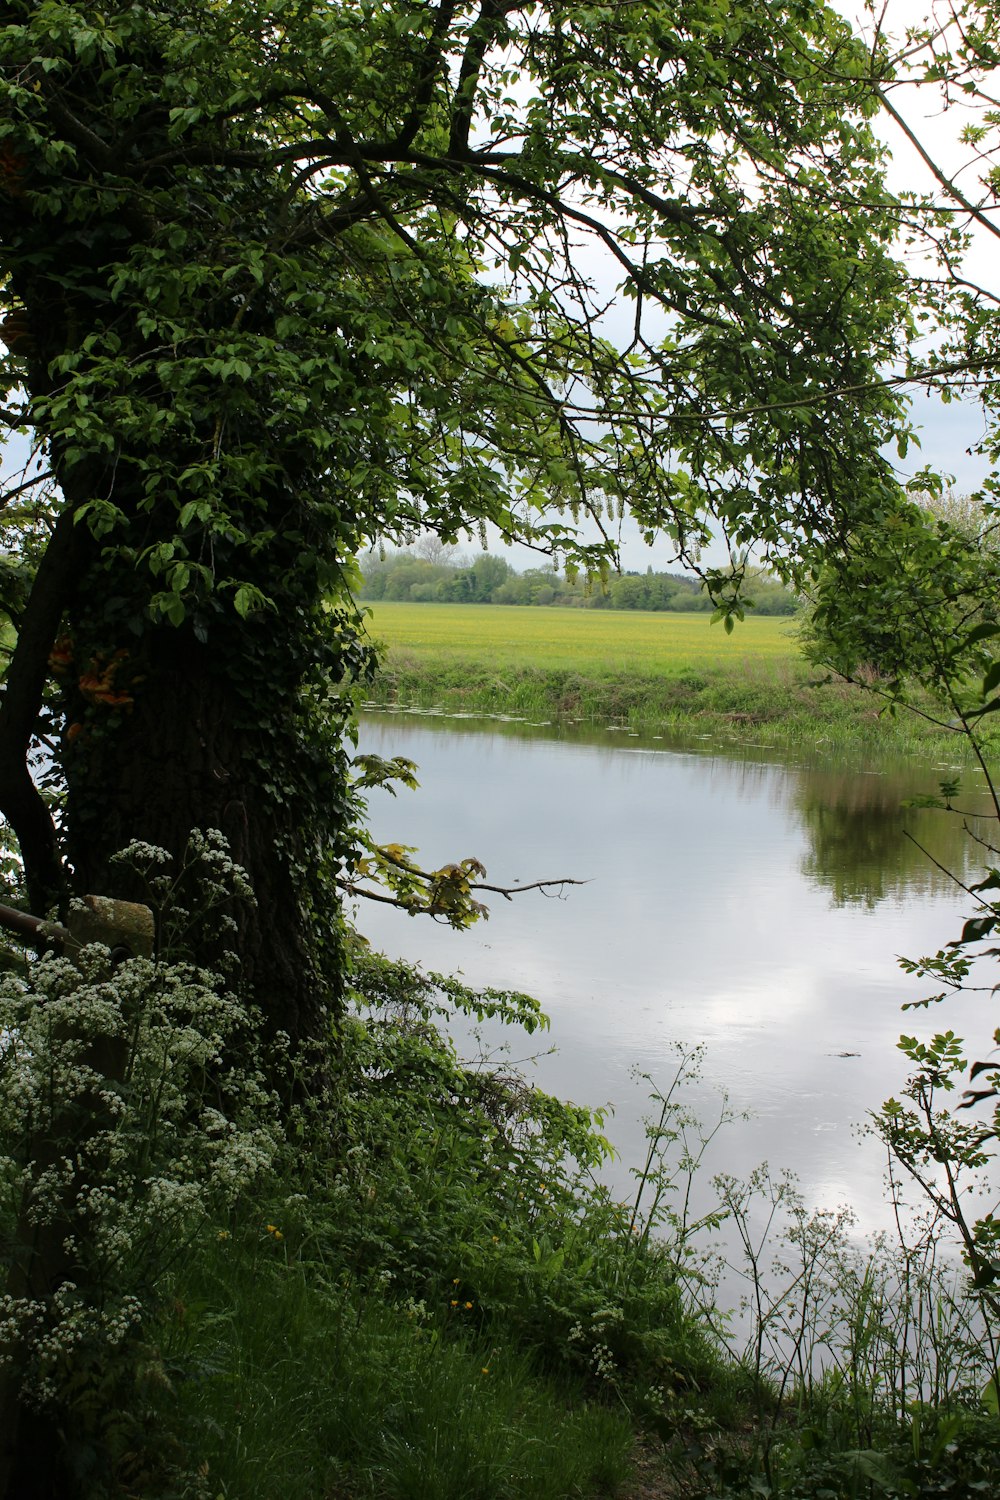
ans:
(985, 632)
(977, 928)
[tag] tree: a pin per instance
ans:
(433, 550)
(913, 594)
(281, 279)
(488, 574)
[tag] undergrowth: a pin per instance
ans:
(444, 1304)
(736, 702)
(435, 1299)
(419, 1290)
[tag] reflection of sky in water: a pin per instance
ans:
(709, 919)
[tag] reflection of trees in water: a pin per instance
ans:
(864, 844)
(854, 821)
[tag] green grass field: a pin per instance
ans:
(578, 640)
(659, 673)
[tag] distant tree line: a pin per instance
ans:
(444, 578)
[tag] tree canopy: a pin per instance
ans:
(284, 278)
(911, 594)
(490, 579)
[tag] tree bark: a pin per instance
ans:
(192, 751)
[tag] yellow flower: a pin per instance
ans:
(486, 1369)
(275, 1231)
(455, 1281)
(467, 1306)
(454, 1301)
(223, 1234)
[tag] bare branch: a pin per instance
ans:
(510, 891)
(948, 183)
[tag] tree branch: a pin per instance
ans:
(481, 35)
(510, 891)
(948, 183)
(20, 800)
(423, 93)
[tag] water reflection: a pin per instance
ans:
(866, 845)
(753, 906)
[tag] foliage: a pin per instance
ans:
(405, 578)
(425, 1295)
(910, 600)
(126, 1126)
(283, 282)
(492, 1180)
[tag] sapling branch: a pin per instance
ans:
(509, 892)
(444, 894)
(968, 889)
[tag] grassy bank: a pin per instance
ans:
(650, 672)
(444, 1306)
(407, 1285)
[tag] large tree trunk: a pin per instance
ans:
(216, 721)
(189, 752)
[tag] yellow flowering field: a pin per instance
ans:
(583, 640)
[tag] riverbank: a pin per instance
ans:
(409, 1285)
(655, 673)
(434, 1301)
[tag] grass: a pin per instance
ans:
(312, 1390)
(654, 672)
(596, 642)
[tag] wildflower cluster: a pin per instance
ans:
(192, 897)
(125, 1130)
(56, 1332)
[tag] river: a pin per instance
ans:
(751, 905)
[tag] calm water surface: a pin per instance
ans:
(750, 906)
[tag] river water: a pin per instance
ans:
(751, 905)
